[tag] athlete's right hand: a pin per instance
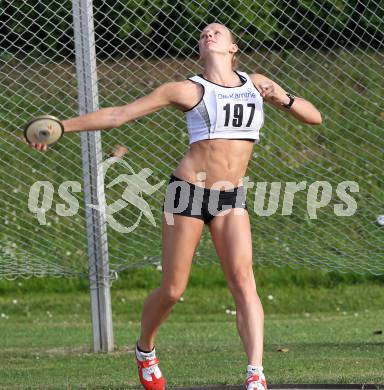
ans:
(41, 147)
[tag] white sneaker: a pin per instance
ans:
(149, 371)
(256, 382)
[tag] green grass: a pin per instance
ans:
(202, 276)
(326, 321)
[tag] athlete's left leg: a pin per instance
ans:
(231, 234)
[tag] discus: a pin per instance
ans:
(44, 129)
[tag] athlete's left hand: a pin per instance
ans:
(272, 92)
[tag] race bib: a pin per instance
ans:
(238, 111)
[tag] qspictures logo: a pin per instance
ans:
(180, 196)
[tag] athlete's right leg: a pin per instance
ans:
(179, 244)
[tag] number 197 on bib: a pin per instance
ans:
(238, 114)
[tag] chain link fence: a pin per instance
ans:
(330, 53)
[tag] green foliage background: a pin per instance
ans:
(158, 27)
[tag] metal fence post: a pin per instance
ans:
(93, 179)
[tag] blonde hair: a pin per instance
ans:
(234, 40)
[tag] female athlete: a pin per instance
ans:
(224, 113)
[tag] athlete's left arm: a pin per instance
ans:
(274, 94)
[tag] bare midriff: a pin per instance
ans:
(208, 162)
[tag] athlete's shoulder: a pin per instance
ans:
(183, 93)
(172, 89)
(257, 77)
(178, 86)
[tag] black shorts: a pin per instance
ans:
(184, 198)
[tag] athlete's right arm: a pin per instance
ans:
(108, 118)
(180, 94)
(175, 93)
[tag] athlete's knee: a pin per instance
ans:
(171, 293)
(241, 280)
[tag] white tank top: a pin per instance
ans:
(226, 112)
